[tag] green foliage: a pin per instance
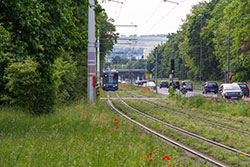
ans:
(64, 75)
(51, 38)
(214, 17)
(31, 90)
(171, 92)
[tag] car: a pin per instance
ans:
(151, 84)
(124, 82)
(164, 84)
(142, 83)
(210, 87)
(187, 85)
(176, 84)
(244, 88)
(230, 91)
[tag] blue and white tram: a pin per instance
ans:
(110, 80)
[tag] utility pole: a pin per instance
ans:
(200, 48)
(91, 53)
(156, 57)
(172, 67)
(98, 58)
(228, 54)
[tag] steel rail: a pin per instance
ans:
(200, 119)
(166, 138)
(185, 131)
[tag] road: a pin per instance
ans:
(164, 91)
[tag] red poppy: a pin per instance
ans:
(116, 119)
(167, 157)
(117, 126)
(77, 101)
(145, 158)
(75, 110)
(90, 104)
(228, 105)
(107, 116)
(111, 134)
(99, 113)
(236, 101)
(151, 159)
(151, 153)
(103, 117)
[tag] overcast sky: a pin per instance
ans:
(150, 16)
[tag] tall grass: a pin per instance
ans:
(79, 134)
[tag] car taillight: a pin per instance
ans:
(247, 88)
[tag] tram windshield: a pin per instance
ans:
(110, 78)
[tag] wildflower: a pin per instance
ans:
(166, 157)
(116, 119)
(151, 159)
(151, 153)
(111, 134)
(77, 101)
(99, 113)
(228, 105)
(236, 101)
(81, 110)
(90, 104)
(215, 102)
(107, 116)
(103, 117)
(117, 126)
(144, 157)
(75, 110)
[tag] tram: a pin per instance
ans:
(110, 80)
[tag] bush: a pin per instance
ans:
(34, 92)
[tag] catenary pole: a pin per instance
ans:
(98, 58)
(91, 53)
(156, 79)
(200, 49)
(228, 55)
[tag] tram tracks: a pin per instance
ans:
(185, 131)
(167, 139)
(238, 130)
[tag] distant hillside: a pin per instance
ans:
(133, 45)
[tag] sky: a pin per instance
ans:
(146, 17)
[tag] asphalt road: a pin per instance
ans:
(164, 91)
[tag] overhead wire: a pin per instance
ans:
(152, 14)
(162, 18)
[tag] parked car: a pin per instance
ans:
(210, 87)
(244, 88)
(176, 84)
(187, 85)
(164, 84)
(230, 91)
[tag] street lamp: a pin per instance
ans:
(200, 46)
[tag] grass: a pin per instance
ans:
(75, 137)
(218, 153)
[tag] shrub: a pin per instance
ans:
(32, 89)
